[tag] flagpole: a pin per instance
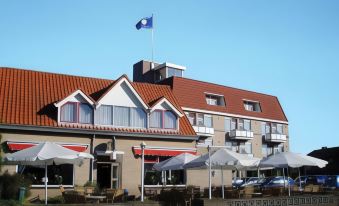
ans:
(152, 64)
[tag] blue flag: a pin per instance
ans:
(146, 23)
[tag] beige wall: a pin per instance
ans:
(130, 165)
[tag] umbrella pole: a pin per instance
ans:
(258, 172)
(288, 184)
(209, 173)
(284, 177)
(299, 179)
(46, 183)
(222, 183)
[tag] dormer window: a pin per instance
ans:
(75, 112)
(252, 106)
(163, 119)
(216, 100)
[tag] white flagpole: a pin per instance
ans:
(152, 64)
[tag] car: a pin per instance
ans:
(277, 181)
(251, 181)
(237, 182)
(311, 179)
(332, 182)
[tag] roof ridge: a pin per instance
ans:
(245, 90)
(55, 73)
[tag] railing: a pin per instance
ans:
(202, 130)
(241, 134)
(275, 137)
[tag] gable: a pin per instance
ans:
(122, 94)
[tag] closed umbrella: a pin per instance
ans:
(47, 153)
(223, 159)
(175, 163)
(291, 159)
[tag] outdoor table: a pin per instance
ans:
(96, 199)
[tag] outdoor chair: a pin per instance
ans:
(110, 194)
(296, 190)
(316, 189)
(89, 190)
(308, 189)
(248, 192)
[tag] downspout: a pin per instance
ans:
(92, 160)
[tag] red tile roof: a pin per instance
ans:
(27, 98)
(192, 93)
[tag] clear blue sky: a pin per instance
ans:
(286, 48)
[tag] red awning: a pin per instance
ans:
(16, 146)
(164, 151)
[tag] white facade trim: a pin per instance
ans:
(167, 64)
(65, 100)
(164, 100)
(232, 115)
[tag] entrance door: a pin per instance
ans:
(104, 175)
(108, 175)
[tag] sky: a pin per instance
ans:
(288, 48)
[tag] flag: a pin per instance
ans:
(146, 23)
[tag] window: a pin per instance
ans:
(232, 146)
(156, 119)
(263, 128)
(104, 115)
(121, 116)
(252, 106)
(266, 150)
(245, 148)
(76, 113)
(191, 117)
(170, 120)
(138, 117)
(227, 124)
(174, 72)
(233, 124)
(280, 128)
(199, 119)
(240, 125)
(69, 112)
(247, 125)
(205, 142)
(217, 100)
(163, 119)
(115, 176)
(208, 121)
(153, 177)
(85, 114)
(57, 174)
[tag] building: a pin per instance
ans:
(331, 155)
(107, 118)
(245, 121)
(111, 118)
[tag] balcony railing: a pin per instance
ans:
(275, 137)
(241, 134)
(202, 130)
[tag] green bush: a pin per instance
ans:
(10, 184)
(9, 203)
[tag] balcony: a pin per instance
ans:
(241, 135)
(279, 138)
(204, 131)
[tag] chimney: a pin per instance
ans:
(143, 71)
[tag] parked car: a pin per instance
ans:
(251, 181)
(332, 182)
(237, 182)
(278, 181)
(311, 179)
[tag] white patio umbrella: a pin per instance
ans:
(294, 160)
(222, 159)
(47, 153)
(175, 163)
